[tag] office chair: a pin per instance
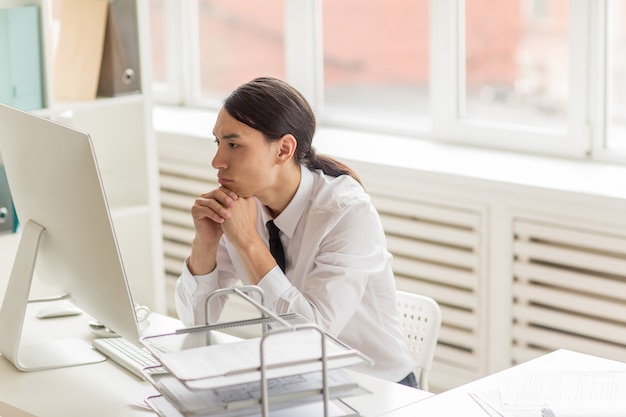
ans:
(420, 317)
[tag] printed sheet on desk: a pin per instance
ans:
(557, 394)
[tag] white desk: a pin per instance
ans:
(457, 402)
(105, 389)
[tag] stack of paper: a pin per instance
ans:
(557, 394)
(225, 379)
(606, 408)
(240, 399)
(285, 354)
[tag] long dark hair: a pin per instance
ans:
(275, 109)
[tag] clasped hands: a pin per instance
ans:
(223, 211)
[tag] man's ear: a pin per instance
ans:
(287, 147)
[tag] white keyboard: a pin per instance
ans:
(126, 354)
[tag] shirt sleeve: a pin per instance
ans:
(190, 295)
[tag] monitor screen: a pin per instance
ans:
(67, 235)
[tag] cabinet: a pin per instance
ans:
(123, 137)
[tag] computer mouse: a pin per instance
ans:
(58, 309)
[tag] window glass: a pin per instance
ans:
(158, 33)
(617, 77)
(239, 40)
(517, 61)
(376, 58)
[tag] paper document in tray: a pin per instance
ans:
(285, 354)
(336, 409)
(283, 392)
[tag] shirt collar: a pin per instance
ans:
(291, 215)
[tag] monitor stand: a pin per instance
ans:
(45, 355)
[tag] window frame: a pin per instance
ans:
(450, 124)
(583, 137)
(171, 91)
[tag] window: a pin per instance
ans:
(202, 50)
(158, 38)
(238, 40)
(517, 62)
(540, 76)
(616, 136)
(376, 60)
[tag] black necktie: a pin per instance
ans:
(276, 247)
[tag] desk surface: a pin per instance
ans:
(105, 389)
(457, 402)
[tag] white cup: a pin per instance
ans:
(142, 313)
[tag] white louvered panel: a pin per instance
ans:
(572, 257)
(463, 319)
(182, 184)
(557, 234)
(583, 303)
(177, 217)
(409, 246)
(175, 233)
(456, 337)
(431, 213)
(436, 251)
(186, 167)
(185, 172)
(170, 287)
(177, 252)
(177, 200)
(451, 296)
(551, 341)
(524, 354)
(198, 151)
(564, 322)
(452, 355)
(441, 274)
(177, 249)
(445, 376)
(431, 232)
(576, 281)
(569, 290)
(173, 264)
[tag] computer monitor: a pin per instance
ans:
(67, 238)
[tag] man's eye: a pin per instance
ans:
(233, 145)
(216, 140)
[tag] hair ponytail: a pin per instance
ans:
(328, 165)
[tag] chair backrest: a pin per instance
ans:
(421, 319)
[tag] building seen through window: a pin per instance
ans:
(517, 61)
(509, 64)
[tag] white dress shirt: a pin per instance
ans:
(338, 272)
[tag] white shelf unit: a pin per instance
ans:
(124, 142)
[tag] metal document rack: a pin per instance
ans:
(293, 363)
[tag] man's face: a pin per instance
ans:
(245, 160)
